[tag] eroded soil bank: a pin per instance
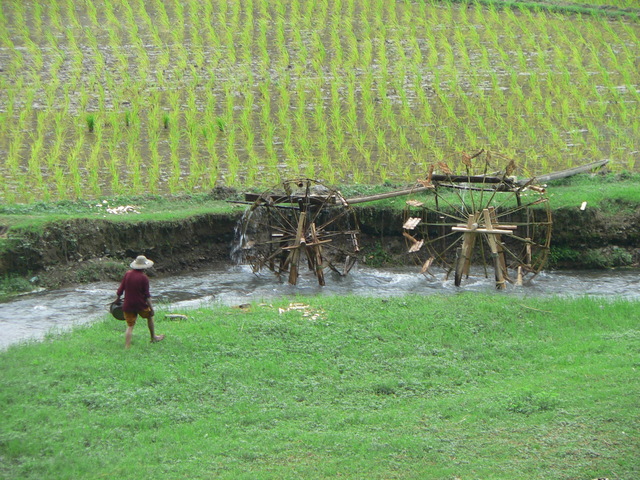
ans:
(82, 250)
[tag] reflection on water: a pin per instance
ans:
(31, 316)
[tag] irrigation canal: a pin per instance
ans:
(32, 316)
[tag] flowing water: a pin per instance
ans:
(32, 316)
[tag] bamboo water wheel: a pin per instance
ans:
(479, 220)
(299, 222)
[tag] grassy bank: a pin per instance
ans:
(118, 208)
(598, 190)
(464, 386)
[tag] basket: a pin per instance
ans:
(116, 310)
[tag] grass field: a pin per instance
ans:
(172, 96)
(455, 387)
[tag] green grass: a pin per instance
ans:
(460, 386)
(609, 192)
(147, 207)
(10, 285)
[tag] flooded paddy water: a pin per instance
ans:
(32, 316)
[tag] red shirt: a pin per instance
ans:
(135, 286)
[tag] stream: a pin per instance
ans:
(32, 316)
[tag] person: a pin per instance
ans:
(137, 299)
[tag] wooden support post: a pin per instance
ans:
(354, 242)
(500, 285)
(469, 254)
(464, 258)
(294, 256)
(348, 264)
(317, 255)
(426, 265)
(457, 261)
(498, 237)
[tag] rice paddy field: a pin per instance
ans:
(106, 97)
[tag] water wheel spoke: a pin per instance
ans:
(320, 209)
(343, 214)
(516, 258)
(448, 215)
(524, 224)
(463, 205)
(442, 253)
(280, 223)
(332, 267)
(440, 238)
(455, 208)
(287, 217)
(503, 212)
(483, 256)
(264, 260)
(267, 227)
(322, 233)
(528, 241)
(471, 196)
(519, 256)
(348, 263)
(336, 251)
(485, 169)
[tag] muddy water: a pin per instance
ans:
(32, 316)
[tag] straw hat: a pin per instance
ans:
(141, 263)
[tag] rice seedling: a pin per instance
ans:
(91, 121)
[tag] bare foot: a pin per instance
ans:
(157, 338)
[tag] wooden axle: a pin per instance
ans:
(292, 199)
(495, 231)
(304, 242)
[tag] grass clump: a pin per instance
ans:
(13, 284)
(460, 386)
(590, 258)
(611, 192)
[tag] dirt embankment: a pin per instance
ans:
(596, 239)
(90, 250)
